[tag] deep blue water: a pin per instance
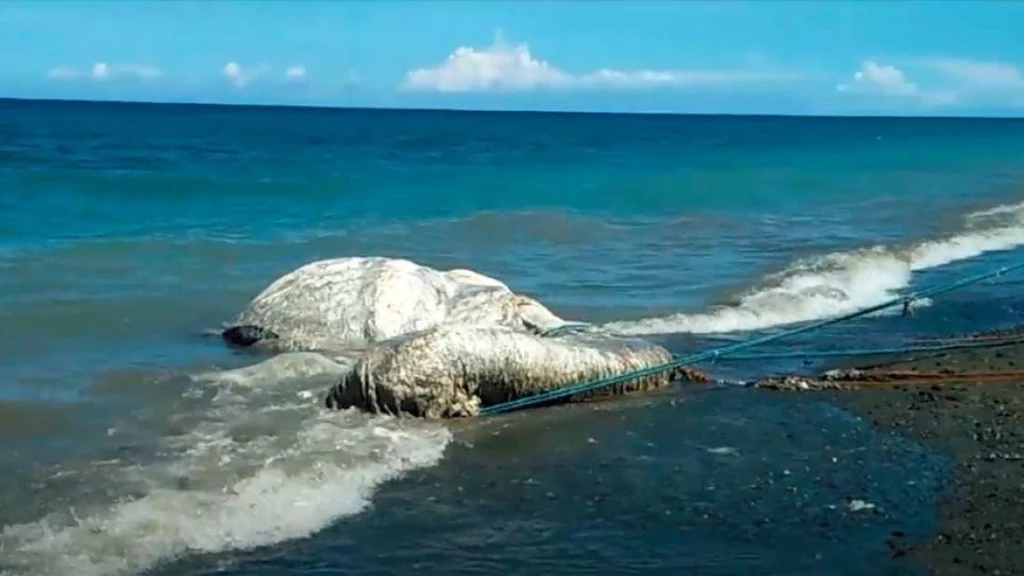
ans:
(128, 231)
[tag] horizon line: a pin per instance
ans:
(442, 109)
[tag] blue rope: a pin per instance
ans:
(719, 352)
(874, 351)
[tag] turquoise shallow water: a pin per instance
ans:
(129, 231)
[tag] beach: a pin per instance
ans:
(978, 424)
(131, 234)
(968, 404)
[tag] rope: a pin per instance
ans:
(876, 351)
(724, 350)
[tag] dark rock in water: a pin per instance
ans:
(246, 335)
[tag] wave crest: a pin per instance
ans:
(842, 282)
(252, 466)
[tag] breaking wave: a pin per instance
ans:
(249, 458)
(251, 464)
(842, 282)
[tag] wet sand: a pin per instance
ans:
(970, 405)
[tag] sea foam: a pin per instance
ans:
(256, 461)
(834, 284)
(257, 465)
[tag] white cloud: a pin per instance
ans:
(241, 76)
(873, 78)
(495, 68)
(234, 74)
(502, 67)
(102, 71)
(626, 78)
(950, 81)
(977, 74)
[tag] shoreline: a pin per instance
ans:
(969, 405)
(981, 512)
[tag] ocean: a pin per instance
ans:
(130, 233)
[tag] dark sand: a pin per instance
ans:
(970, 405)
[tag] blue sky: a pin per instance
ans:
(806, 57)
